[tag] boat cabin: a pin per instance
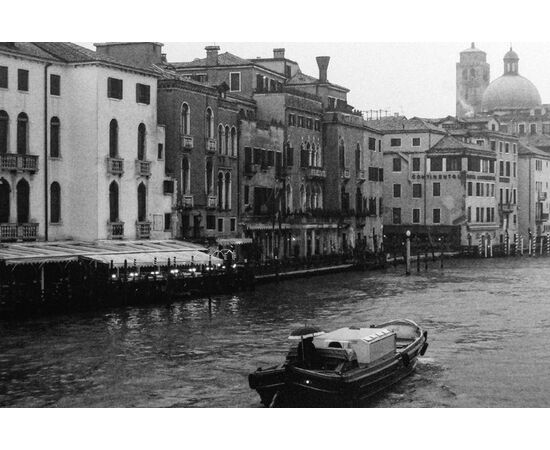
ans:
(369, 344)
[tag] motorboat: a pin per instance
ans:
(343, 367)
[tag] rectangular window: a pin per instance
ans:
(167, 221)
(3, 77)
(507, 147)
(291, 120)
(397, 164)
(470, 190)
(501, 168)
(478, 189)
(380, 174)
(373, 173)
(301, 121)
(397, 190)
(416, 164)
(436, 164)
(143, 93)
(395, 142)
(500, 146)
(491, 166)
(114, 88)
(477, 214)
(220, 224)
(489, 215)
(454, 164)
(417, 190)
(474, 164)
(437, 215)
(317, 125)
(533, 128)
(23, 80)
(507, 168)
(493, 145)
(210, 222)
(416, 215)
(436, 189)
(55, 84)
(246, 194)
(416, 142)
(396, 213)
(372, 144)
(235, 81)
(232, 224)
(469, 212)
(309, 123)
(160, 153)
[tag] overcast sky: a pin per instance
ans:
(416, 79)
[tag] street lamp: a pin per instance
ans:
(408, 256)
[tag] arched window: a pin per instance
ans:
(4, 201)
(209, 176)
(309, 155)
(233, 142)
(141, 141)
(220, 139)
(342, 154)
(185, 176)
(320, 197)
(4, 127)
(220, 190)
(23, 191)
(227, 190)
(209, 123)
(113, 202)
(142, 202)
(113, 139)
(54, 137)
(302, 197)
(227, 136)
(55, 202)
(358, 158)
(22, 133)
(185, 119)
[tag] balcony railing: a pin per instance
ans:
(541, 196)
(143, 230)
(345, 174)
(115, 166)
(211, 145)
(187, 142)
(115, 230)
(315, 173)
(21, 163)
(18, 232)
(212, 202)
(187, 201)
(507, 207)
(143, 168)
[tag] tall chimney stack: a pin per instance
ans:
(278, 53)
(212, 55)
(322, 62)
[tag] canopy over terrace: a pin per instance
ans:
(143, 252)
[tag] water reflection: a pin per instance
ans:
(488, 324)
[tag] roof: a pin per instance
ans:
(224, 59)
(65, 52)
(402, 124)
(530, 150)
(510, 91)
(451, 143)
(105, 251)
(301, 78)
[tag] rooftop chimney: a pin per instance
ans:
(322, 62)
(278, 53)
(212, 55)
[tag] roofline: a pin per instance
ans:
(234, 66)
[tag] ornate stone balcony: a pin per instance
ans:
(344, 173)
(115, 166)
(315, 173)
(187, 201)
(143, 230)
(143, 168)
(115, 230)
(361, 176)
(187, 142)
(19, 163)
(10, 232)
(211, 145)
(212, 202)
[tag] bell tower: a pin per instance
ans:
(472, 78)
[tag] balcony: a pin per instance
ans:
(115, 230)
(344, 173)
(143, 168)
(361, 176)
(506, 207)
(19, 163)
(143, 230)
(187, 201)
(212, 202)
(211, 145)
(315, 173)
(10, 232)
(541, 196)
(541, 217)
(187, 142)
(251, 169)
(115, 166)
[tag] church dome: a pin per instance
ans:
(510, 91)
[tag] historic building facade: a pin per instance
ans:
(81, 152)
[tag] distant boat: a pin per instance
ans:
(342, 367)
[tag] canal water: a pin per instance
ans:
(488, 323)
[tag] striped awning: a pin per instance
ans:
(234, 241)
